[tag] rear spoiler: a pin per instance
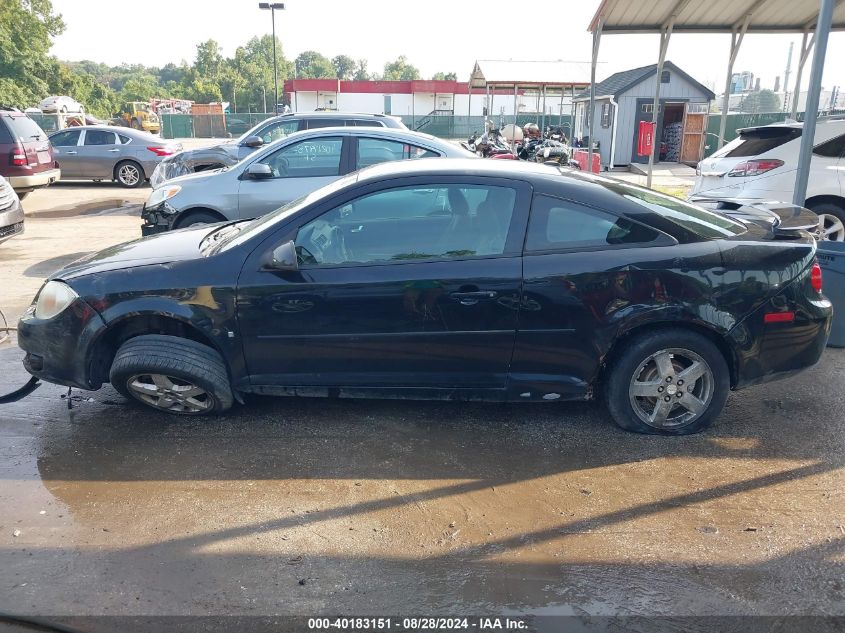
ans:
(778, 217)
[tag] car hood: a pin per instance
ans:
(173, 246)
(194, 178)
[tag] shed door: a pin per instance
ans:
(695, 127)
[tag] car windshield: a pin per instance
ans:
(274, 218)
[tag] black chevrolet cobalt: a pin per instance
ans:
(456, 279)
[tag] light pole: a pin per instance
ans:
(273, 6)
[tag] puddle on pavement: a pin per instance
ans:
(109, 206)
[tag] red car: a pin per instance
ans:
(26, 156)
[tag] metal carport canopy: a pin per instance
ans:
(736, 17)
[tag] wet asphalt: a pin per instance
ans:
(309, 506)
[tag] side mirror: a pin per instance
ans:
(259, 170)
(284, 257)
(253, 141)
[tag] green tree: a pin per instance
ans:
(361, 73)
(445, 77)
(400, 70)
(344, 66)
(313, 65)
(141, 88)
(209, 61)
(761, 101)
(26, 29)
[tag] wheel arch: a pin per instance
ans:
(138, 324)
(839, 201)
(702, 328)
(187, 213)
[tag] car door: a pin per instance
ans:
(66, 151)
(583, 272)
(407, 284)
(296, 168)
(98, 154)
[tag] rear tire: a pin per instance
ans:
(135, 124)
(172, 375)
(683, 366)
(831, 221)
(129, 174)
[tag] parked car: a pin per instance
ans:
(461, 279)
(281, 172)
(11, 212)
(26, 157)
(273, 129)
(760, 165)
(105, 152)
(60, 104)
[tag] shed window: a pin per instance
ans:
(605, 115)
(664, 77)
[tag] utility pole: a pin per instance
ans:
(272, 6)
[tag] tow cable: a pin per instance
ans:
(31, 385)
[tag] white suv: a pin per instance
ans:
(760, 165)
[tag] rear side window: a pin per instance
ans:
(559, 225)
(368, 123)
(834, 148)
(99, 137)
(24, 128)
(5, 136)
(373, 150)
(124, 140)
(758, 141)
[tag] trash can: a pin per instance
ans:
(831, 256)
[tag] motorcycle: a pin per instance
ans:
(491, 144)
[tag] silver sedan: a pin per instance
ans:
(283, 171)
(105, 152)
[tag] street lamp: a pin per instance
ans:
(273, 6)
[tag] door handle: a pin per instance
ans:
(114, 150)
(471, 298)
(70, 152)
(357, 229)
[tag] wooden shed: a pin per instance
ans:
(626, 98)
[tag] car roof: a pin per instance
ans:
(380, 132)
(797, 125)
(459, 167)
(119, 129)
(334, 114)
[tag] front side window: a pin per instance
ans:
(66, 139)
(99, 137)
(559, 225)
(447, 221)
(374, 150)
(306, 159)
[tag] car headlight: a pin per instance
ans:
(53, 299)
(158, 196)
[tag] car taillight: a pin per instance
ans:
(162, 151)
(816, 277)
(18, 156)
(755, 167)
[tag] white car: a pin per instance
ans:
(60, 104)
(760, 164)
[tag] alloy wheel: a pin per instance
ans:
(128, 175)
(671, 388)
(169, 394)
(831, 228)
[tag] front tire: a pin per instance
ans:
(670, 382)
(129, 174)
(172, 375)
(197, 218)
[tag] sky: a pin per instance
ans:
(435, 35)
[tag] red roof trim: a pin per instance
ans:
(386, 87)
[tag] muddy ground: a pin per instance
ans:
(299, 506)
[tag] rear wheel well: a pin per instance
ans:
(836, 200)
(623, 341)
(186, 215)
(106, 347)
